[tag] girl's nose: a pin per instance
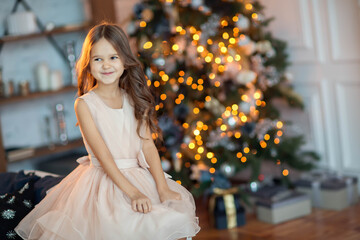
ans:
(106, 64)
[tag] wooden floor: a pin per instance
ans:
(320, 225)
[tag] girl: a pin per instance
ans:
(119, 191)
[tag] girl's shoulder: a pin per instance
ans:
(128, 97)
(87, 97)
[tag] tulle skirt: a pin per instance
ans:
(87, 205)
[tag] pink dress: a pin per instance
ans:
(87, 205)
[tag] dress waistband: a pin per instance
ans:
(121, 163)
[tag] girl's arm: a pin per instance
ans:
(139, 201)
(153, 159)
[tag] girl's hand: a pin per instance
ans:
(169, 195)
(140, 203)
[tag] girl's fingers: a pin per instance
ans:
(145, 207)
(142, 206)
(133, 206)
(149, 205)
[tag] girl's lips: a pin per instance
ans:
(107, 73)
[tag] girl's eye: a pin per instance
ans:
(97, 59)
(114, 57)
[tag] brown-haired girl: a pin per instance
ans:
(119, 191)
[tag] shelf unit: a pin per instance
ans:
(100, 10)
(57, 30)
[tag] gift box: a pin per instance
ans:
(225, 209)
(329, 192)
(278, 210)
(270, 192)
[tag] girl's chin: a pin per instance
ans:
(107, 81)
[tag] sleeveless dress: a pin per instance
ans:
(87, 205)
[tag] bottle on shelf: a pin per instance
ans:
(2, 85)
(60, 122)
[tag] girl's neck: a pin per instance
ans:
(108, 91)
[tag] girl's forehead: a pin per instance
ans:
(103, 46)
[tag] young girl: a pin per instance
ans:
(119, 191)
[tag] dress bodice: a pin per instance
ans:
(117, 128)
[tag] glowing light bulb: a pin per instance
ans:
(165, 77)
(175, 47)
(163, 96)
(267, 137)
(207, 59)
(224, 23)
(210, 155)
(249, 6)
(285, 172)
(196, 37)
(147, 45)
(142, 24)
(200, 150)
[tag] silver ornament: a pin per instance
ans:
(227, 169)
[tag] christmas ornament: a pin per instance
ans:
(227, 169)
(147, 15)
(243, 23)
(245, 77)
(263, 46)
(166, 165)
(196, 3)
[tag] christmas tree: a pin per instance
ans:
(215, 71)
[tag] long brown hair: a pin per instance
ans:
(133, 79)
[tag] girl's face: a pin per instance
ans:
(105, 63)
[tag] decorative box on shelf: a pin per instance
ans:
(292, 206)
(329, 191)
(225, 209)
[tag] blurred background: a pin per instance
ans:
(248, 93)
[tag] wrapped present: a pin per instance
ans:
(290, 206)
(263, 191)
(225, 209)
(329, 191)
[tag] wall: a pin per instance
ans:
(23, 124)
(323, 38)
